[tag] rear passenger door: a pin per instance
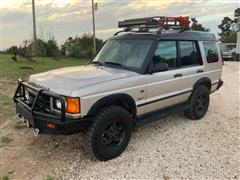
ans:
(192, 67)
(163, 87)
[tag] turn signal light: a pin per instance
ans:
(50, 125)
(73, 105)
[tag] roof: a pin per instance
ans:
(169, 35)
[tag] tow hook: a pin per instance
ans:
(36, 132)
(19, 116)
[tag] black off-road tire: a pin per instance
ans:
(93, 137)
(194, 112)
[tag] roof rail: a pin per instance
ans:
(160, 22)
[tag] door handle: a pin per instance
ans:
(200, 71)
(178, 75)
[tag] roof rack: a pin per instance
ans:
(160, 22)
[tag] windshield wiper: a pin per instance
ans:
(96, 62)
(113, 63)
(117, 64)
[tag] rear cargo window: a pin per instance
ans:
(211, 51)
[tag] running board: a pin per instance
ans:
(156, 115)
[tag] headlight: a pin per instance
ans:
(72, 105)
(58, 104)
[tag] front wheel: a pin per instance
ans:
(109, 134)
(199, 102)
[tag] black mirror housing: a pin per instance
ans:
(159, 67)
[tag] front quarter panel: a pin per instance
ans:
(132, 86)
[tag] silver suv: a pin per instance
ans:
(150, 70)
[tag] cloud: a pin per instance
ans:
(64, 18)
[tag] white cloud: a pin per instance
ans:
(66, 18)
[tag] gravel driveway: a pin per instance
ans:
(171, 148)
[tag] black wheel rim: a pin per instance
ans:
(113, 134)
(201, 103)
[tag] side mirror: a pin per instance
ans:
(159, 67)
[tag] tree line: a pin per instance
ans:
(78, 47)
(82, 46)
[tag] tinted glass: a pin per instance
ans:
(211, 51)
(166, 53)
(189, 53)
(127, 52)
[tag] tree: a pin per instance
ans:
(198, 27)
(227, 34)
(52, 48)
(12, 50)
(80, 47)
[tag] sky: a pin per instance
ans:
(69, 18)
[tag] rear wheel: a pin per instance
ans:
(199, 102)
(109, 134)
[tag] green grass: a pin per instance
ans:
(5, 178)
(7, 107)
(19, 125)
(22, 69)
(49, 178)
(4, 141)
(12, 71)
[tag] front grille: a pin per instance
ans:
(43, 103)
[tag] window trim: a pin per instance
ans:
(215, 43)
(179, 54)
(153, 53)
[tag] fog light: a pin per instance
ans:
(51, 126)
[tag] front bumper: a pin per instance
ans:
(60, 124)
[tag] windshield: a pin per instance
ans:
(127, 53)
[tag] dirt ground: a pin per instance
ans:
(171, 148)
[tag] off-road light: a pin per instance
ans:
(73, 105)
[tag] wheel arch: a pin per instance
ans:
(203, 81)
(120, 99)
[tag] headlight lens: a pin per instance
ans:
(58, 104)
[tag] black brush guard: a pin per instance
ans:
(39, 119)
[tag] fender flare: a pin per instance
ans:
(203, 81)
(120, 99)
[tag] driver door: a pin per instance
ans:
(163, 87)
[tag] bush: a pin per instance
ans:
(12, 50)
(80, 47)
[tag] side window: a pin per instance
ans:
(189, 54)
(166, 52)
(211, 51)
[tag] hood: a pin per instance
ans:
(63, 81)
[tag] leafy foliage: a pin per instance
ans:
(44, 48)
(198, 27)
(227, 34)
(80, 47)
(12, 50)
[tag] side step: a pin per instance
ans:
(156, 115)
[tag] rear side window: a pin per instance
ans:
(189, 54)
(166, 53)
(211, 51)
